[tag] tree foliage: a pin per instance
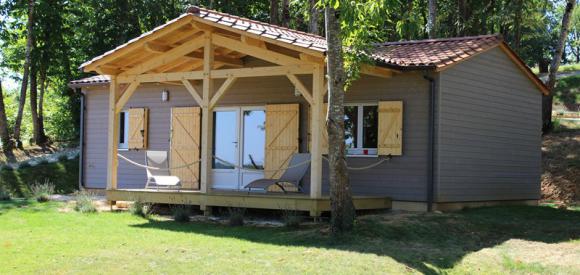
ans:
(69, 32)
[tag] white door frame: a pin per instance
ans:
(221, 178)
(237, 176)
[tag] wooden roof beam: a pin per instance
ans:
(125, 49)
(220, 59)
(156, 47)
(253, 42)
(159, 48)
(222, 73)
(376, 71)
(166, 57)
(257, 37)
(258, 52)
(311, 58)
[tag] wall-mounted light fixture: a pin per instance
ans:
(297, 92)
(164, 95)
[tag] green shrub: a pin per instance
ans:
(4, 194)
(7, 168)
(23, 165)
(557, 124)
(84, 202)
(236, 217)
(43, 162)
(42, 191)
(181, 213)
(140, 209)
(291, 218)
(62, 158)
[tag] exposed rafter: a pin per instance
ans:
(166, 57)
(270, 56)
(127, 48)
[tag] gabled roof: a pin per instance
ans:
(432, 54)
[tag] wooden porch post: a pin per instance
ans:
(206, 116)
(113, 134)
(317, 126)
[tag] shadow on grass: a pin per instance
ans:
(12, 204)
(64, 175)
(426, 242)
(567, 92)
(26, 205)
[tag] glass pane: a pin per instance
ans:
(350, 124)
(370, 126)
(254, 139)
(224, 139)
(122, 127)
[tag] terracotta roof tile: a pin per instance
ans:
(434, 53)
(96, 79)
(285, 35)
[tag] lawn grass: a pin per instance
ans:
(562, 68)
(42, 238)
(567, 92)
(64, 175)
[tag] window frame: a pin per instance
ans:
(124, 117)
(359, 149)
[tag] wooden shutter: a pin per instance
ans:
(185, 140)
(282, 122)
(138, 128)
(390, 140)
(324, 141)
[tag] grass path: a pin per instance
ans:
(40, 238)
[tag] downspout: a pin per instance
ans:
(82, 142)
(431, 142)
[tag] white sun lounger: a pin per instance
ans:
(159, 177)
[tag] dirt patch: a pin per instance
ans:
(561, 167)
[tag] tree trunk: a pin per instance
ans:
(25, 74)
(462, 9)
(518, 25)
(34, 102)
(432, 19)
(342, 208)
(285, 13)
(274, 9)
(43, 87)
(7, 143)
(314, 17)
(551, 83)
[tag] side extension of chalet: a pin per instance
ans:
(434, 124)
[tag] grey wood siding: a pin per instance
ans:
(488, 132)
(404, 178)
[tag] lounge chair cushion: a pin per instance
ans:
(166, 180)
(290, 179)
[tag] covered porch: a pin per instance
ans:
(208, 58)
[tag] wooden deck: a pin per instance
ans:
(299, 202)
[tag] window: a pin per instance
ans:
(124, 130)
(361, 129)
